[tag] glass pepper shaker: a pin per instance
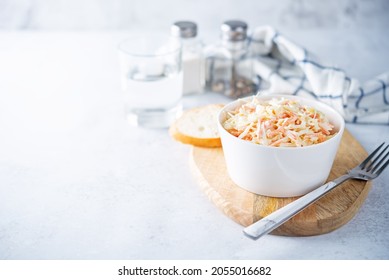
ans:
(192, 56)
(228, 67)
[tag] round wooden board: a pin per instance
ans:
(327, 214)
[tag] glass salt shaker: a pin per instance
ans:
(192, 56)
(228, 67)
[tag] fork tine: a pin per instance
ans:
(381, 164)
(363, 163)
(373, 163)
(382, 168)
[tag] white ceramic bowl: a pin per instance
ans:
(280, 171)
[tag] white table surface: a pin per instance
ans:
(77, 182)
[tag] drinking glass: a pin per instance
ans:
(151, 75)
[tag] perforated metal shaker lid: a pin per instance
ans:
(184, 29)
(234, 30)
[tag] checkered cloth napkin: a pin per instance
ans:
(282, 66)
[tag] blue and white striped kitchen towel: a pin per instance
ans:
(290, 69)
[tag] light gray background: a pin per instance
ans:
(77, 183)
(358, 26)
(135, 14)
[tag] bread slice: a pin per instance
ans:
(198, 127)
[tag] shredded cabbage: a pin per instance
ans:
(278, 122)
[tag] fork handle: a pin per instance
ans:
(280, 216)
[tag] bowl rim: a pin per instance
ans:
(267, 97)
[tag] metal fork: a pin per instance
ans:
(369, 169)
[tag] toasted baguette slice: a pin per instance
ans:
(198, 127)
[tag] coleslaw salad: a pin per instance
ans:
(278, 122)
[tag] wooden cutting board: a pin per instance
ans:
(327, 214)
